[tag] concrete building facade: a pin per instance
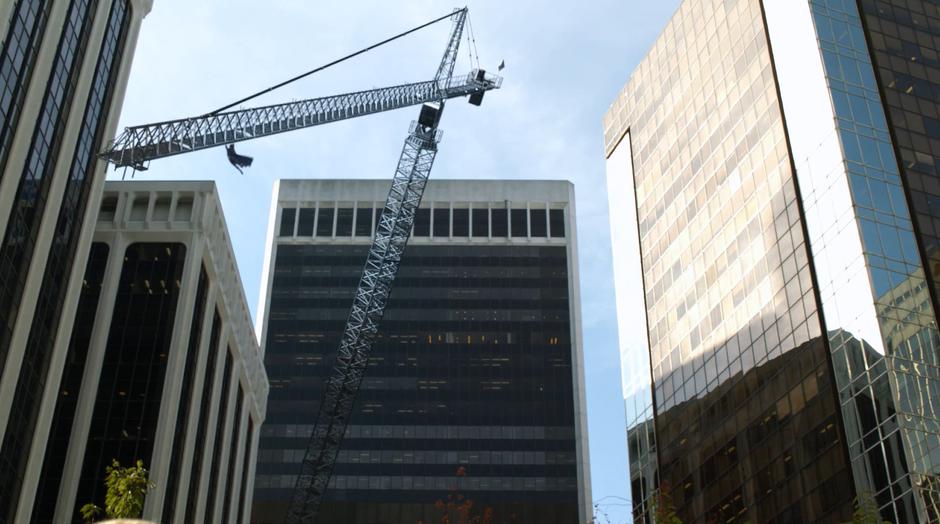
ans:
(779, 156)
(63, 73)
(475, 384)
(163, 365)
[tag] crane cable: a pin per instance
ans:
(334, 62)
(473, 40)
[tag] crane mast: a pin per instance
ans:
(394, 230)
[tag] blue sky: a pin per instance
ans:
(565, 63)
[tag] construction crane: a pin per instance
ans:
(138, 145)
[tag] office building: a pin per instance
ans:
(780, 159)
(475, 385)
(163, 365)
(63, 71)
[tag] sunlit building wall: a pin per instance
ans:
(475, 385)
(792, 334)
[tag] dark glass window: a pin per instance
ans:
(363, 221)
(17, 248)
(556, 222)
(127, 404)
(481, 222)
(287, 222)
(202, 447)
(538, 223)
(325, 222)
(67, 400)
(441, 222)
(461, 222)
(246, 467)
(422, 222)
(108, 209)
(23, 39)
(344, 222)
(233, 450)
(305, 222)
(500, 222)
(221, 422)
(520, 223)
(472, 366)
(184, 209)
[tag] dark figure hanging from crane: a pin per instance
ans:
(239, 161)
(137, 146)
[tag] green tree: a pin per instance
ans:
(661, 506)
(866, 510)
(126, 491)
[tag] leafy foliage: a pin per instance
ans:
(126, 491)
(459, 509)
(89, 512)
(662, 507)
(866, 510)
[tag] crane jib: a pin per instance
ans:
(140, 144)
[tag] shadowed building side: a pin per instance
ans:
(475, 383)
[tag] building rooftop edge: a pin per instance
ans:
(438, 180)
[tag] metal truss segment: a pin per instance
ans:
(138, 145)
(381, 266)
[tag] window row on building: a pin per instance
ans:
(438, 220)
(429, 431)
(372, 482)
(365, 456)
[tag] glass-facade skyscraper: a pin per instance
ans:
(475, 383)
(780, 158)
(63, 71)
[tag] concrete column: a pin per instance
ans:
(577, 366)
(6, 11)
